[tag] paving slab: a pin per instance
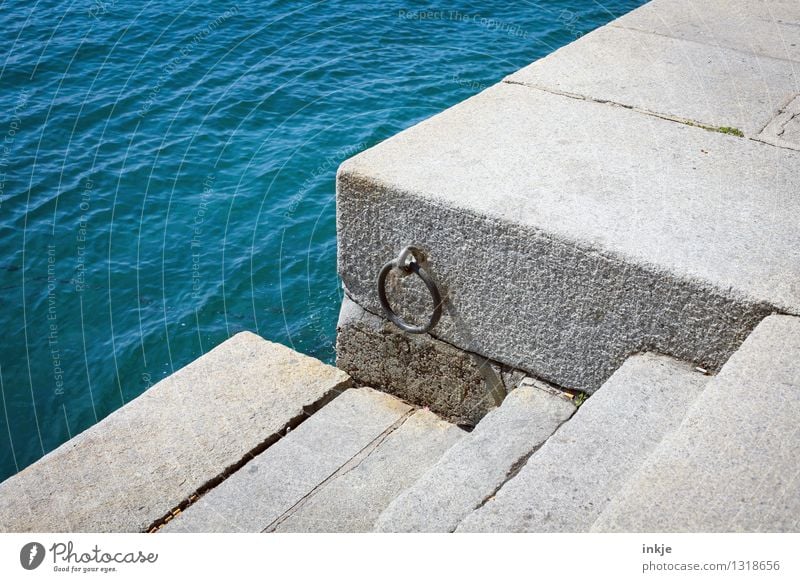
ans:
(457, 385)
(676, 78)
(262, 491)
(140, 462)
(566, 483)
(764, 27)
(475, 467)
(732, 464)
(567, 234)
(355, 496)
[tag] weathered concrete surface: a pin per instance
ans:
(732, 464)
(766, 28)
(354, 497)
(566, 484)
(262, 491)
(146, 458)
(459, 386)
(475, 467)
(569, 234)
(784, 129)
(677, 78)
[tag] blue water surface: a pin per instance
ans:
(167, 174)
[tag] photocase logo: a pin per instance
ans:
(31, 555)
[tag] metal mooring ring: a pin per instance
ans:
(407, 267)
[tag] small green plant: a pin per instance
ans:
(579, 399)
(732, 131)
(725, 129)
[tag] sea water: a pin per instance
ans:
(167, 174)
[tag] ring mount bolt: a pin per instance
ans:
(408, 262)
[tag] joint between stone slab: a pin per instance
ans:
(614, 24)
(784, 145)
(291, 424)
(352, 463)
(726, 130)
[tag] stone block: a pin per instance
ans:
(762, 27)
(568, 234)
(457, 385)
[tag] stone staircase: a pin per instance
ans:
(732, 465)
(479, 464)
(335, 472)
(659, 447)
(279, 442)
(566, 484)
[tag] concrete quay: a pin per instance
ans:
(614, 230)
(633, 191)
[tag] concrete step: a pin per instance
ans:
(354, 497)
(572, 220)
(335, 472)
(183, 434)
(566, 484)
(732, 465)
(477, 465)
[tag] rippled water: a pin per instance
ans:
(167, 175)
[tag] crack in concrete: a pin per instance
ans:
(349, 465)
(784, 125)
